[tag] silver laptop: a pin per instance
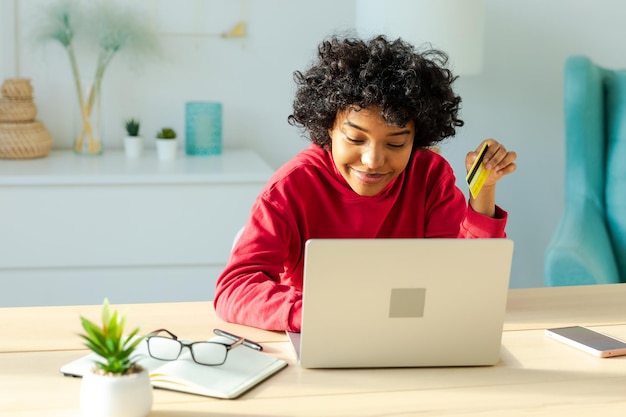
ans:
(403, 302)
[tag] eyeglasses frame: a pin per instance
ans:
(189, 345)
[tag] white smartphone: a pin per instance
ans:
(590, 341)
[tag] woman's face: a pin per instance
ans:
(367, 151)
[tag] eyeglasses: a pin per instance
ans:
(203, 353)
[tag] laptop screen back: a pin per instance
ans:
(404, 302)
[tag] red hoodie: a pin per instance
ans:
(308, 197)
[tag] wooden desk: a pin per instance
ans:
(589, 305)
(536, 375)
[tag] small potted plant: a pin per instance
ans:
(116, 386)
(133, 143)
(166, 143)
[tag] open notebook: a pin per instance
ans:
(244, 368)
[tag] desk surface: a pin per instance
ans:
(535, 376)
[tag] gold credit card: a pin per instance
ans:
(477, 174)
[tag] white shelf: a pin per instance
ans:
(112, 167)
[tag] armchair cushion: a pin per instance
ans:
(581, 252)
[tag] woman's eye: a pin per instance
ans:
(357, 141)
(396, 145)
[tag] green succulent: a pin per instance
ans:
(166, 133)
(132, 127)
(108, 341)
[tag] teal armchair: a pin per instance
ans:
(589, 244)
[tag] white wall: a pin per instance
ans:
(517, 99)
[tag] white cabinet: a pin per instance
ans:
(76, 229)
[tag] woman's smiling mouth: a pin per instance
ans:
(368, 177)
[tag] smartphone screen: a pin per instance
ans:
(589, 340)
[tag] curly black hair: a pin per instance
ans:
(404, 83)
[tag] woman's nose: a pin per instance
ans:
(373, 157)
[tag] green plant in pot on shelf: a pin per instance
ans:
(166, 143)
(116, 386)
(132, 127)
(133, 143)
(166, 133)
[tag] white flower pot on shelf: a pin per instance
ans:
(166, 149)
(116, 396)
(133, 146)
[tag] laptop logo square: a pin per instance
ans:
(407, 302)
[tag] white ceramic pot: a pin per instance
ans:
(166, 149)
(116, 396)
(133, 145)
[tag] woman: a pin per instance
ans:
(371, 109)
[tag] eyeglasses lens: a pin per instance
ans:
(164, 348)
(208, 353)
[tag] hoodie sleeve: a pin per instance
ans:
(254, 289)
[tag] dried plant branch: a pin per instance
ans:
(112, 27)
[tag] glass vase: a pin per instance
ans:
(88, 119)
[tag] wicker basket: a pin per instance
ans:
(17, 110)
(17, 88)
(24, 140)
